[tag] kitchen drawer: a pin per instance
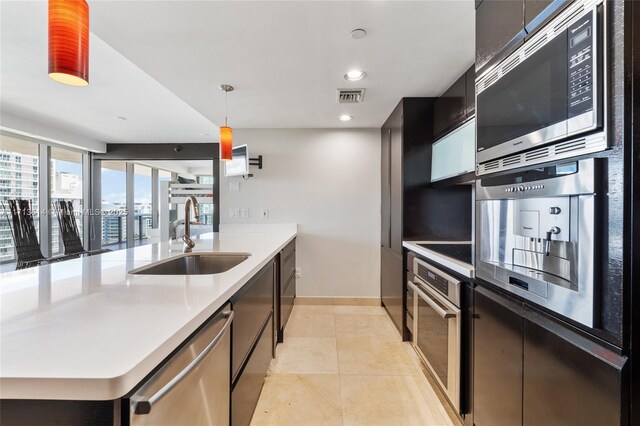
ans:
(287, 298)
(246, 391)
(288, 268)
(252, 306)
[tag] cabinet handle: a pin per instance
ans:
(144, 406)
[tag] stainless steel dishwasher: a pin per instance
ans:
(194, 386)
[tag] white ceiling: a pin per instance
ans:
(117, 88)
(160, 64)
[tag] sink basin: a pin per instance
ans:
(193, 264)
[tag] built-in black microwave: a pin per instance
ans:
(549, 90)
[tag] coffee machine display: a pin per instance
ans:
(535, 236)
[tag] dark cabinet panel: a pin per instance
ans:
(396, 189)
(385, 186)
(391, 288)
(497, 359)
(252, 305)
(539, 12)
(288, 295)
(450, 108)
(285, 289)
(246, 391)
(470, 96)
(568, 379)
(499, 29)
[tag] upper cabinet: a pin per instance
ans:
(455, 105)
(450, 108)
(539, 12)
(471, 91)
(499, 30)
(502, 26)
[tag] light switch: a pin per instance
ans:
(244, 212)
(234, 212)
(234, 186)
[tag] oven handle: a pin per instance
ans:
(436, 307)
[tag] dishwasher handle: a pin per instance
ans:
(144, 406)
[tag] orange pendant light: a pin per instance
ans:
(69, 41)
(226, 132)
(226, 143)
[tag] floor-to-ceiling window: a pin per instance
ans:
(19, 171)
(66, 184)
(114, 202)
(206, 210)
(143, 207)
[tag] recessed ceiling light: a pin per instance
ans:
(358, 33)
(355, 75)
(204, 134)
(121, 118)
(345, 117)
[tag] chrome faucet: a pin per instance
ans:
(188, 242)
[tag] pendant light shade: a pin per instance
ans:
(226, 143)
(226, 132)
(69, 41)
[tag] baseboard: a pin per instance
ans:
(349, 301)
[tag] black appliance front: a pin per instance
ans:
(550, 95)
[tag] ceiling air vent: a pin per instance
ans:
(350, 96)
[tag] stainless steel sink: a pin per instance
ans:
(193, 264)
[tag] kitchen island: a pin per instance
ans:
(86, 329)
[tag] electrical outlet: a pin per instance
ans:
(298, 272)
(265, 214)
(234, 212)
(244, 212)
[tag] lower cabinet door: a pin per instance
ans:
(568, 379)
(287, 297)
(497, 359)
(251, 305)
(246, 391)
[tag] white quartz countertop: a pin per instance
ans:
(456, 265)
(85, 329)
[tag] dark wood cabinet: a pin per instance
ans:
(499, 30)
(285, 289)
(470, 94)
(456, 105)
(405, 138)
(539, 12)
(568, 379)
(252, 342)
(252, 306)
(497, 355)
(450, 109)
(531, 369)
(246, 391)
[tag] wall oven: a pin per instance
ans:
(536, 235)
(437, 325)
(549, 90)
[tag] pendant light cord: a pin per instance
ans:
(226, 106)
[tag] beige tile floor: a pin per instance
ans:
(346, 365)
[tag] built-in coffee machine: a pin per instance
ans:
(535, 235)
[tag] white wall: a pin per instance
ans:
(328, 182)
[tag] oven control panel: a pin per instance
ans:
(581, 57)
(444, 283)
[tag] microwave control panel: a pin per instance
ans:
(581, 57)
